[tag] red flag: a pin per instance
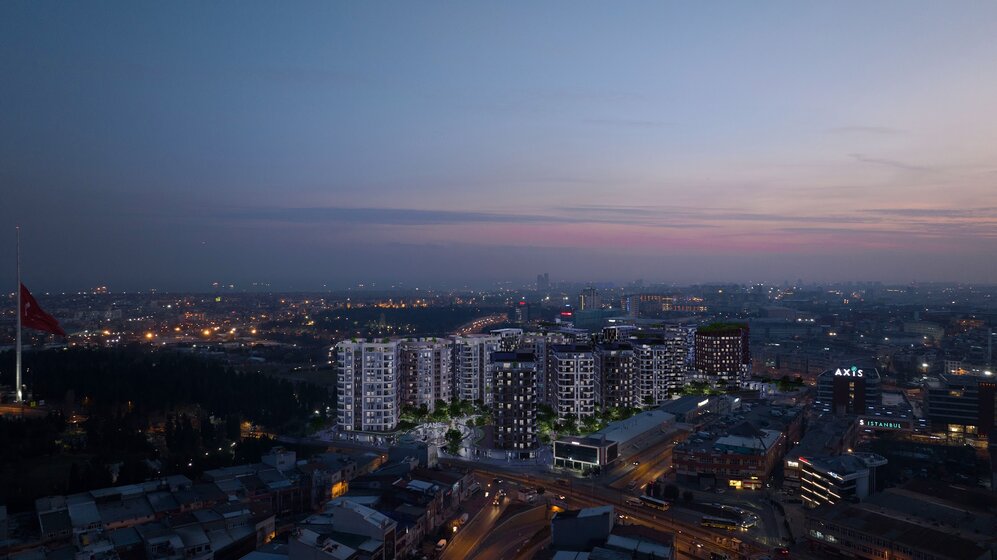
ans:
(33, 317)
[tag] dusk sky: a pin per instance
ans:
(169, 145)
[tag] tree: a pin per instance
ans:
(440, 414)
(687, 496)
(671, 492)
(545, 413)
(453, 437)
(591, 424)
(455, 409)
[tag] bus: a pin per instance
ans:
(719, 523)
(654, 503)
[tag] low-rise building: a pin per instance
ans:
(851, 477)
(743, 456)
(581, 529)
(829, 436)
(924, 520)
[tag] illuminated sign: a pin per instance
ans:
(880, 424)
(703, 402)
(849, 372)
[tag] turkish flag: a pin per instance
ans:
(33, 317)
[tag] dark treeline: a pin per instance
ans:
(139, 414)
(106, 380)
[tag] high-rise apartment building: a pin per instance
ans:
(722, 353)
(572, 367)
(425, 372)
(616, 382)
(471, 367)
(661, 363)
(589, 299)
(367, 382)
(516, 402)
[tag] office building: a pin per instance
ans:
(646, 305)
(843, 478)
(367, 382)
(829, 436)
(425, 372)
(722, 354)
(960, 406)
(583, 453)
(616, 382)
(849, 390)
(922, 520)
(543, 282)
(573, 369)
(516, 402)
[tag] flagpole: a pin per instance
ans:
(19, 396)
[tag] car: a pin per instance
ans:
(440, 545)
(497, 501)
(720, 490)
(561, 497)
(498, 481)
(636, 463)
(781, 552)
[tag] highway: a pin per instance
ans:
(689, 535)
(474, 531)
(513, 534)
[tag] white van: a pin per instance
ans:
(441, 545)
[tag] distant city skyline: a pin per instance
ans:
(319, 145)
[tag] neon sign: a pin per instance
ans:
(849, 372)
(880, 424)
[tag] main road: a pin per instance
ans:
(689, 535)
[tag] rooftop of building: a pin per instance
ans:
(585, 440)
(613, 346)
(585, 512)
(513, 357)
(722, 329)
(684, 404)
(945, 380)
(899, 528)
(571, 348)
(845, 465)
(851, 371)
(640, 423)
(754, 428)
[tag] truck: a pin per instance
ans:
(528, 495)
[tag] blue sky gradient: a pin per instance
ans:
(303, 144)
